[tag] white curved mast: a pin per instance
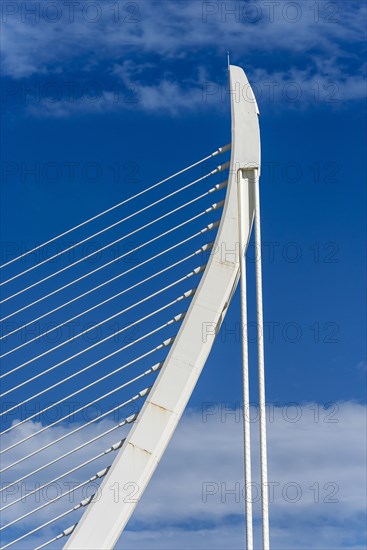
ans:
(105, 518)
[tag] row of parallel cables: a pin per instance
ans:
(85, 331)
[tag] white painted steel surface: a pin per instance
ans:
(243, 184)
(105, 518)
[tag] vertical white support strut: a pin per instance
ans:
(246, 391)
(261, 368)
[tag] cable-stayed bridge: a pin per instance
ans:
(102, 343)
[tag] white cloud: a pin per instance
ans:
(51, 472)
(302, 45)
(313, 461)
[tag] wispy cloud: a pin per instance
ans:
(164, 45)
(316, 471)
(315, 468)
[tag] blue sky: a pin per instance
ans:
(103, 102)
